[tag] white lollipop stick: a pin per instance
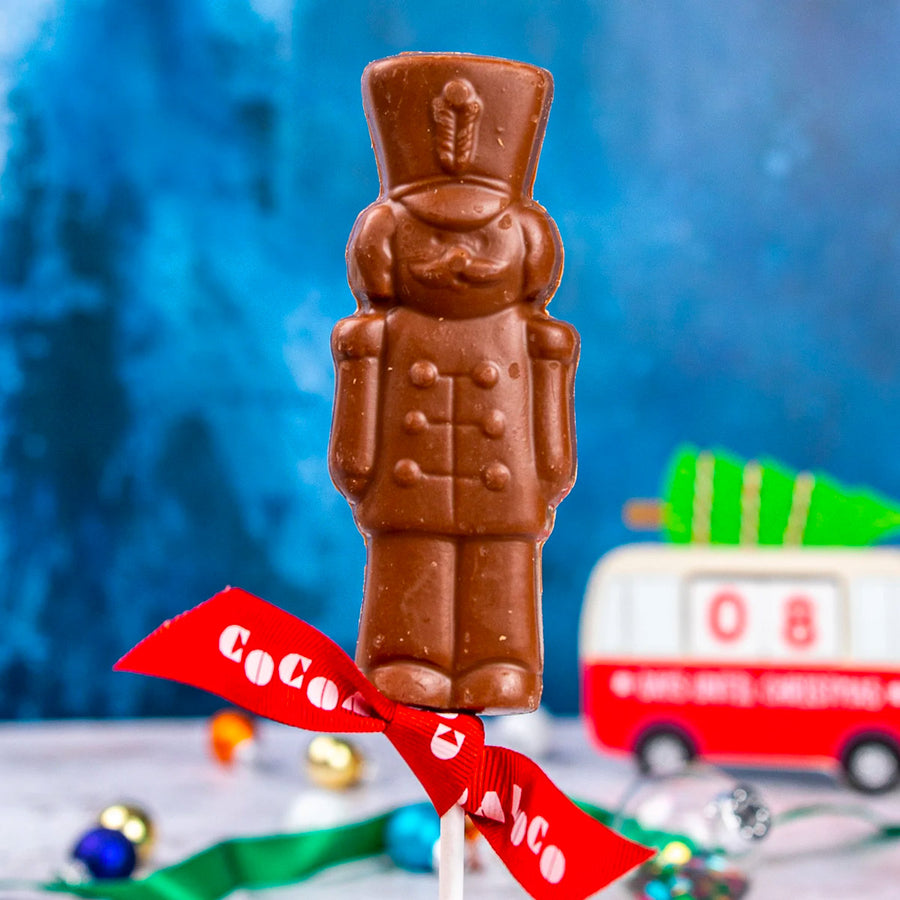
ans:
(452, 858)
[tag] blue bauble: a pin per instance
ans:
(106, 853)
(657, 890)
(410, 836)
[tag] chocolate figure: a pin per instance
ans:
(453, 436)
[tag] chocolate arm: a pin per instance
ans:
(553, 347)
(356, 344)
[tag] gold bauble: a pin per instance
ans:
(135, 823)
(333, 763)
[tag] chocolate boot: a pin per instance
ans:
(498, 648)
(405, 642)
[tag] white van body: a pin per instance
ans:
(735, 653)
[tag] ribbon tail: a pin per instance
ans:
(262, 658)
(552, 848)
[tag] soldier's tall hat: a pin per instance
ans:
(454, 127)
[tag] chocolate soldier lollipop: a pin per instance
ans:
(453, 435)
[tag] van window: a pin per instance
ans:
(655, 616)
(875, 620)
(608, 626)
(763, 618)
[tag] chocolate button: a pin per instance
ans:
(485, 374)
(415, 422)
(495, 476)
(406, 472)
(494, 423)
(423, 373)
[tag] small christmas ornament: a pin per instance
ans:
(717, 820)
(706, 806)
(106, 853)
(681, 874)
(334, 763)
(232, 736)
(135, 823)
(411, 837)
(675, 853)
(741, 813)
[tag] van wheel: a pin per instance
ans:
(663, 751)
(872, 765)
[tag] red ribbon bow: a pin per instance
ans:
(260, 657)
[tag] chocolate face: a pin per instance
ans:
(453, 434)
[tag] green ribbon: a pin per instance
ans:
(252, 862)
(275, 860)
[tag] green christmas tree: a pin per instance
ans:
(713, 497)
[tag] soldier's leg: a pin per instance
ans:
(406, 624)
(498, 649)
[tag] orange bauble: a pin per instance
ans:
(231, 735)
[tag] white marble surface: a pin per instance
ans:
(56, 777)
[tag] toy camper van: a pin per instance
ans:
(777, 655)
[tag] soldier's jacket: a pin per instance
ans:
(455, 387)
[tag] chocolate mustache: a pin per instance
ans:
(456, 268)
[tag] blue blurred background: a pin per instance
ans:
(179, 178)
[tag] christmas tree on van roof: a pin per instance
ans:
(715, 497)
